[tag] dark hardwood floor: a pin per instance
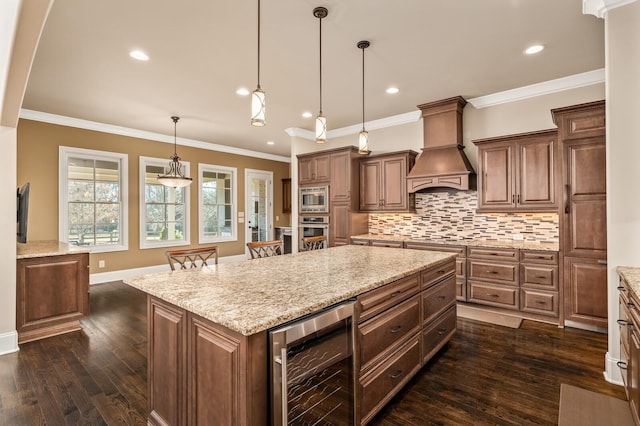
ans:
(486, 375)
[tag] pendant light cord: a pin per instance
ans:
(363, 89)
(258, 44)
(175, 136)
(320, 66)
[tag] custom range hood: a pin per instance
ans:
(442, 162)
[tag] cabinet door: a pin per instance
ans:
(340, 224)
(535, 177)
(585, 192)
(167, 363)
(496, 176)
(370, 176)
(313, 168)
(340, 190)
(633, 380)
(585, 291)
(305, 172)
(322, 167)
(394, 188)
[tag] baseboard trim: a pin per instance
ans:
(105, 277)
(612, 371)
(588, 327)
(9, 343)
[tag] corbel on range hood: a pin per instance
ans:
(442, 162)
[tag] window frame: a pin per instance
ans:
(144, 244)
(66, 152)
(202, 239)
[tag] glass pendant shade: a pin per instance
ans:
(321, 129)
(363, 142)
(258, 108)
(175, 178)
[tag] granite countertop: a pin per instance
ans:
(476, 242)
(46, 248)
(632, 276)
(253, 296)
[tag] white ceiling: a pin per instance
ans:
(203, 50)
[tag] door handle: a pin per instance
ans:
(567, 188)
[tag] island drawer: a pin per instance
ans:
(435, 274)
(438, 298)
(494, 295)
(539, 256)
(387, 243)
(539, 302)
(503, 273)
(379, 385)
(543, 276)
(438, 333)
(379, 334)
(493, 253)
(359, 242)
(380, 299)
(460, 251)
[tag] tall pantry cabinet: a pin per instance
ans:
(583, 221)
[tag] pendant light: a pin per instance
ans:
(258, 105)
(321, 121)
(363, 139)
(175, 178)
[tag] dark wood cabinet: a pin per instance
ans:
(583, 220)
(517, 172)
(313, 168)
(383, 185)
(343, 223)
(286, 195)
(493, 277)
(52, 295)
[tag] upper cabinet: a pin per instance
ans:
(517, 172)
(313, 168)
(383, 184)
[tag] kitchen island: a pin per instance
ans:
(208, 328)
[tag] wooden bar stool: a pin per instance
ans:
(314, 243)
(192, 258)
(270, 248)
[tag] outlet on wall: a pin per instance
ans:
(517, 237)
(100, 263)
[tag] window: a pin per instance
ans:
(218, 197)
(164, 211)
(93, 199)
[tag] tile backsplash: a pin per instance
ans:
(452, 215)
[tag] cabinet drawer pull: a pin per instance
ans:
(395, 375)
(441, 271)
(622, 322)
(543, 257)
(602, 262)
(395, 328)
(441, 297)
(492, 254)
(541, 302)
(513, 198)
(442, 331)
(491, 272)
(622, 365)
(396, 293)
(493, 295)
(542, 277)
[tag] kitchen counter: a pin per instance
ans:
(46, 248)
(250, 297)
(632, 276)
(525, 245)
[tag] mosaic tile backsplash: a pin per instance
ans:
(452, 215)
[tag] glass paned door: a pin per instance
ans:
(259, 205)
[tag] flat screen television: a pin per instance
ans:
(22, 212)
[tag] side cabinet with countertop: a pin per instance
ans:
(493, 277)
(629, 323)
(461, 262)
(52, 289)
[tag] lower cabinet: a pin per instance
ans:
(400, 327)
(191, 360)
(585, 291)
(629, 321)
(461, 262)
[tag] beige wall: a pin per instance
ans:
(38, 144)
(622, 34)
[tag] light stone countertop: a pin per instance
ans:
(632, 276)
(46, 248)
(255, 295)
(476, 242)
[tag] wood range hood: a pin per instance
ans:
(442, 163)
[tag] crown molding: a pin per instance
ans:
(62, 120)
(599, 8)
(382, 123)
(545, 88)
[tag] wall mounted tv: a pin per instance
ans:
(23, 212)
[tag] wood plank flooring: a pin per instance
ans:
(487, 375)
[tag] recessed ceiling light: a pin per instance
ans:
(139, 55)
(271, 143)
(534, 49)
(242, 91)
(392, 90)
(307, 114)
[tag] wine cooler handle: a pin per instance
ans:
(283, 378)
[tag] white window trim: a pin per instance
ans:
(234, 200)
(144, 244)
(64, 152)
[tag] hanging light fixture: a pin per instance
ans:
(258, 105)
(175, 178)
(321, 121)
(363, 139)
